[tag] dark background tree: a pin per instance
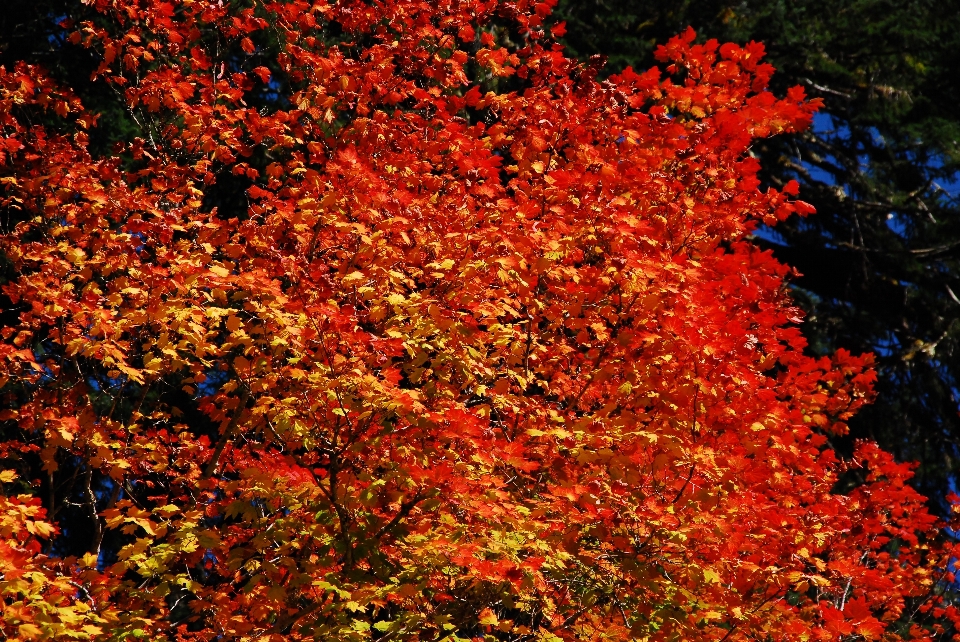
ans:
(881, 259)
(33, 32)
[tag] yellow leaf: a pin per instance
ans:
(710, 576)
(145, 524)
(29, 632)
(41, 529)
(488, 618)
(7, 476)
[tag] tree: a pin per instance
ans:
(466, 358)
(879, 263)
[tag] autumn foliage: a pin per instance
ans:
(395, 323)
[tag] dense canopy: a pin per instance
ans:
(393, 322)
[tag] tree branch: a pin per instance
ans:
(405, 509)
(228, 433)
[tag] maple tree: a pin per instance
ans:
(879, 262)
(387, 326)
